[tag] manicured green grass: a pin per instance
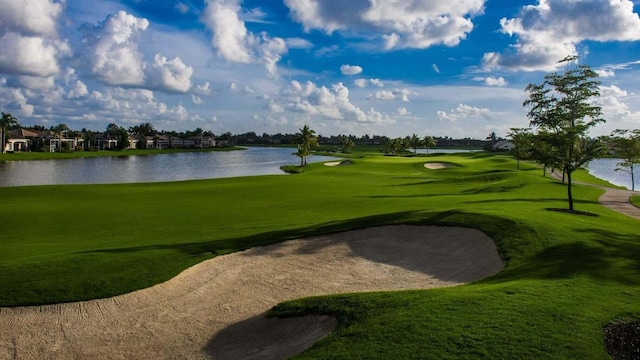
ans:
(635, 200)
(565, 276)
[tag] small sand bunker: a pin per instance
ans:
(338, 163)
(436, 166)
(215, 309)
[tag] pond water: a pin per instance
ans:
(605, 169)
(199, 165)
(153, 168)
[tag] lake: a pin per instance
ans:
(605, 169)
(152, 168)
(198, 165)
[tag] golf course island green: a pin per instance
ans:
(565, 277)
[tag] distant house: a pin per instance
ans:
(503, 145)
(20, 140)
(23, 140)
(103, 142)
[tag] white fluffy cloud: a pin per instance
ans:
(234, 42)
(364, 82)
(28, 37)
(347, 69)
(491, 81)
(117, 60)
(329, 103)
(549, 31)
(388, 95)
(402, 111)
(169, 75)
(397, 24)
(463, 111)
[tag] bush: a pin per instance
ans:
(292, 169)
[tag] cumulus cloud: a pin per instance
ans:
(234, 42)
(330, 103)
(347, 69)
(29, 39)
(549, 31)
(364, 82)
(203, 89)
(169, 75)
(78, 90)
(463, 111)
(491, 81)
(397, 24)
(388, 95)
(116, 59)
(402, 111)
(605, 72)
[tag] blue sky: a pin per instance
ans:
(453, 68)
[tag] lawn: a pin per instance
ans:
(566, 276)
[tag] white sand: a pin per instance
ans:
(436, 166)
(338, 163)
(215, 309)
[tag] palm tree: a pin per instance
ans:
(414, 142)
(307, 139)
(6, 121)
(301, 153)
(428, 142)
(346, 143)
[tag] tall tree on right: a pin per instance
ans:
(562, 110)
(626, 145)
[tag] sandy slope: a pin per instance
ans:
(214, 309)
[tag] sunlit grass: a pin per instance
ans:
(565, 275)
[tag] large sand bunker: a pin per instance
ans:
(214, 309)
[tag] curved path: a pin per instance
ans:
(618, 200)
(614, 199)
(215, 309)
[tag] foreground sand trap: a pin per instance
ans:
(214, 309)
(436, 166)
(338, 163)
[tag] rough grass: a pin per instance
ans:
(566, 276)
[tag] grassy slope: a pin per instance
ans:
(566, 275)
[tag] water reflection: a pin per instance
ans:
(164, 167)
(605, 169)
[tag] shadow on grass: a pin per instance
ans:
(487, 224)
(598, 254)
